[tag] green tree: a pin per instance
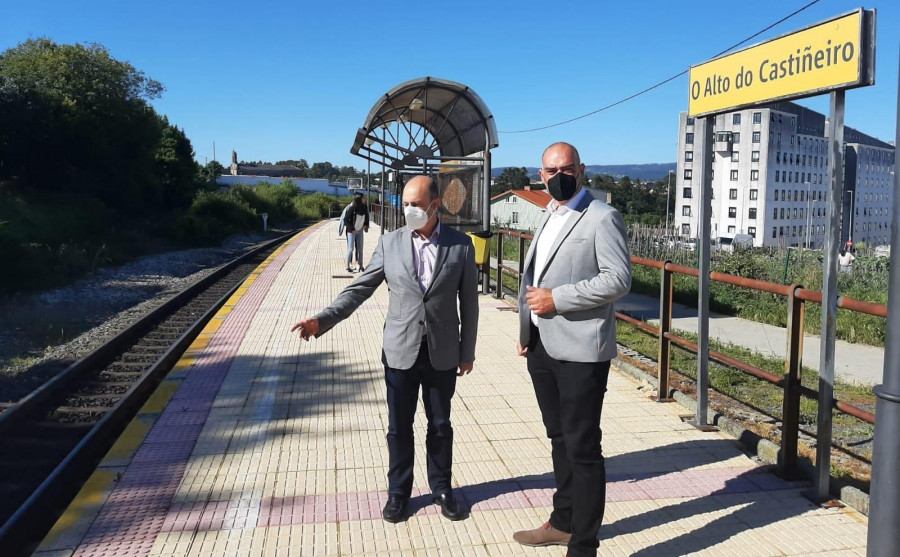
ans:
(211, 171)
(177, 170)
(86, 114)
(511, 178)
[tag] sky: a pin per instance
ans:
(279, 80)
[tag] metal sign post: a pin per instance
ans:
(706, 140)
(884, 501)
(829, 296)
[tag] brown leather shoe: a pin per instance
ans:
(543, 536)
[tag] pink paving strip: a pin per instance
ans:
(140, 507)
(499, 495)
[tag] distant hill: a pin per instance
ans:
(646, 172)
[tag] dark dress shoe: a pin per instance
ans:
(395, 509)
(449, 508)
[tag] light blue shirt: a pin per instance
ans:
(425, 255)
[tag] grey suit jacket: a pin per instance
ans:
(588, 268)
(412, 313)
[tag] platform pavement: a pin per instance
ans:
(261, 444)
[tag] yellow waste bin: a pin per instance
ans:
(482, 243)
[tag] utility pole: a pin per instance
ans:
(668, 187)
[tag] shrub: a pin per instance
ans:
(214, 215)
(318, 205)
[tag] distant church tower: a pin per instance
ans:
(234, 164)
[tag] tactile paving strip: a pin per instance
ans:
(139, 506)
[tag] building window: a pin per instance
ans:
(735, 156)
(731, 229)
(736, 119)
(686, 211)
(752, 213)
(686, 193)
(751, 230)
(690, 121)
(754, 175)
(736, 137)
(777, 176)
(732, 212)
(774, 230)
(754, 156)
(795, 212)
(732, 193)
(686, 229)
(515, 217)
(734, 175)
(782, 213)
(754, 194)
(689, 138)
(688, 173)
(757, 117)
(514, 199)
(774, 213)
(688, 156)
(755, 137)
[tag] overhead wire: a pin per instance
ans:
(676, 76)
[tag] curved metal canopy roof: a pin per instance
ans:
(452, 113)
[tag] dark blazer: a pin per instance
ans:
(412, 314)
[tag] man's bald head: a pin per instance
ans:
(562, 148)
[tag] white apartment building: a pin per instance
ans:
(770, 169)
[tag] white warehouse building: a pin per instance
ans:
(770, 178)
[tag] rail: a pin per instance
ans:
(789, 382)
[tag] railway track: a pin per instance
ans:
(51, 440)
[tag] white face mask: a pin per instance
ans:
(416, 218)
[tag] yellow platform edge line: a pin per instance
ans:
(71, 526)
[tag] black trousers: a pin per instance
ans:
(570, 396)
(438, 387)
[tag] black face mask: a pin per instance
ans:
(562, 186)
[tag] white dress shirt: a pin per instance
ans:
(560, 213)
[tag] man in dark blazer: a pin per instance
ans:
(576, 267)
(429, 337)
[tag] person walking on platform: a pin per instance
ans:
(576, 267)
(429, 337)
(355, 222)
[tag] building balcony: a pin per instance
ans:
(723, 142)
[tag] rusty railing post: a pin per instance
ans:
(790, 413)
(666, 288)
(499, 263)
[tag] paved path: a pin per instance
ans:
(856, 363)
(259, 444)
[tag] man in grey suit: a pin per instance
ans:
(577, 266)
(430, 271)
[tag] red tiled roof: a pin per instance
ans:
(538, 197)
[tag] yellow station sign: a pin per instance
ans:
(834, 54)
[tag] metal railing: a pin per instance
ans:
(789, 382)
